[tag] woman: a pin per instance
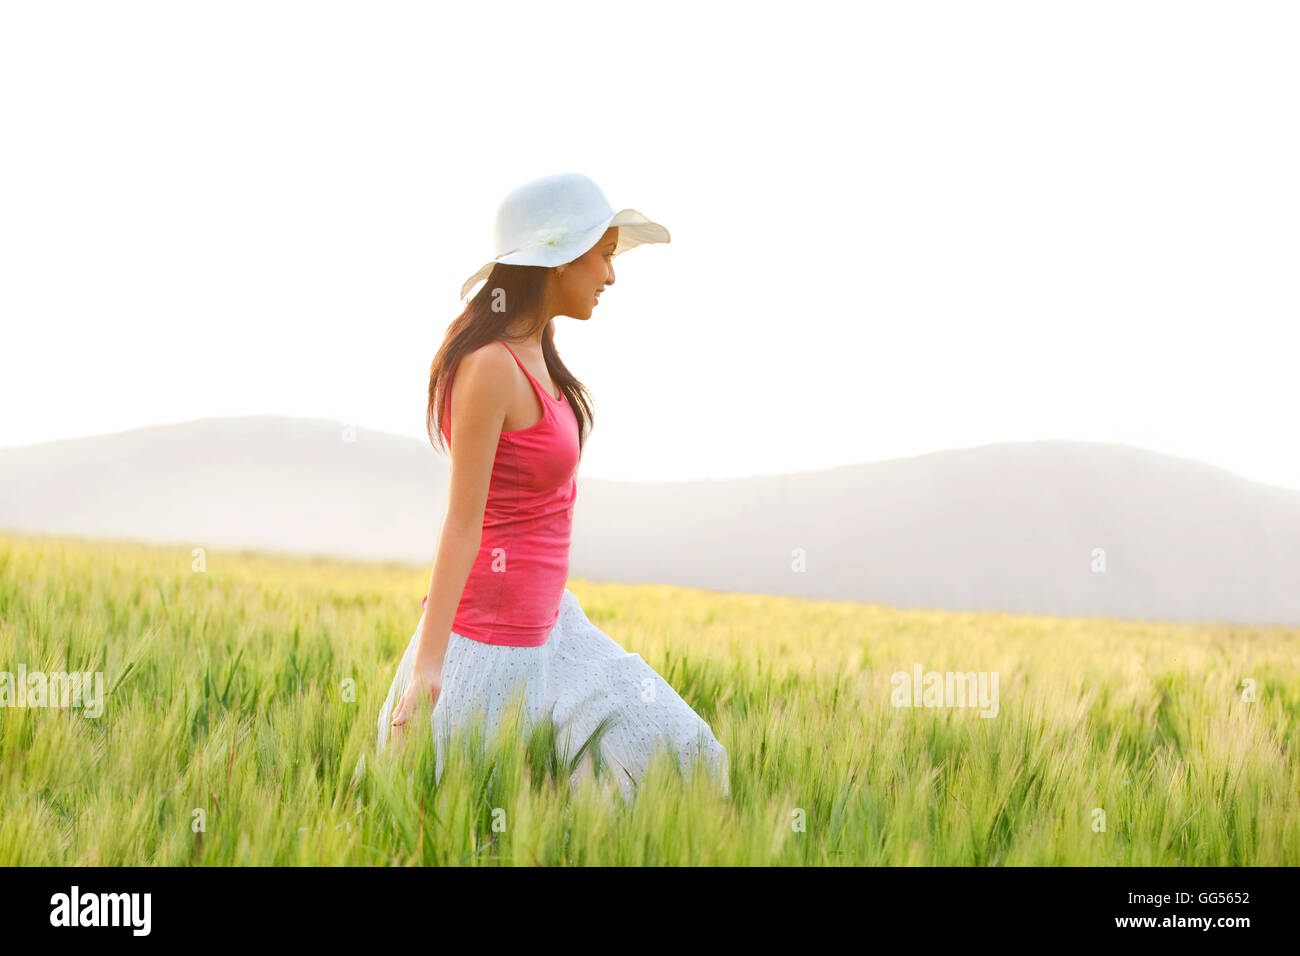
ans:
(498, 619)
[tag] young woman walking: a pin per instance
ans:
(498, 620)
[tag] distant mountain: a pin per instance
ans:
(1009, 527)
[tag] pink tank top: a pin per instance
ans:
(514, 589)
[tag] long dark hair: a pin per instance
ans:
(510, 291)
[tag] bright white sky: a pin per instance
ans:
(896, 228)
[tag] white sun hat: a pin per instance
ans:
(555, 219)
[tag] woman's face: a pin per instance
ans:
(583, 279)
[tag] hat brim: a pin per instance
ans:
(634, 229)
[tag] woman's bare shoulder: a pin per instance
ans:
(489, 366)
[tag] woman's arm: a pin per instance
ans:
(479, 401)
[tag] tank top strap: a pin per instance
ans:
(531, 378)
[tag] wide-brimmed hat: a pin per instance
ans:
(555, 219)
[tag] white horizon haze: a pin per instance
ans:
(895, 229)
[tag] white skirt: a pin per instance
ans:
(580, 676)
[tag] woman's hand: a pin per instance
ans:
(425, 685)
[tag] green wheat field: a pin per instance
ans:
(238, 728)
